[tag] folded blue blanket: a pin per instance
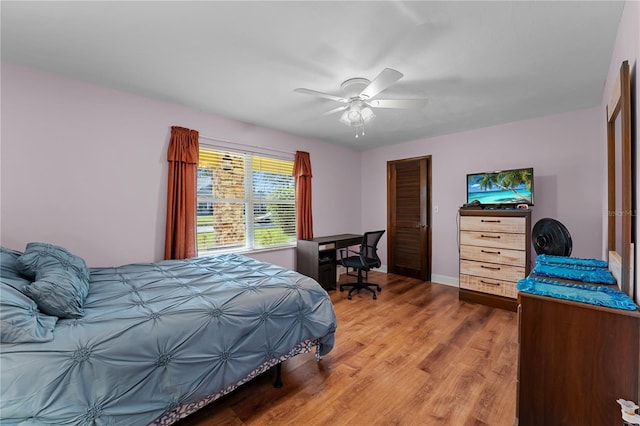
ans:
(593, 295)
(547, 259)
(586, 274)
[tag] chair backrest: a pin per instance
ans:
(369, 249)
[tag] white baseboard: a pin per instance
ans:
(443, 279)
(435, 278)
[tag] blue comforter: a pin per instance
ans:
(161, 335)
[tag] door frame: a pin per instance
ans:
(425, 200)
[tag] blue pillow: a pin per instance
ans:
(61, 279)
(38, 256)
(20, 320)
(9, 271)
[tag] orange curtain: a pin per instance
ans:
(180, 236)
(302, 175)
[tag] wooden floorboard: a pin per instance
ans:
(415, 356)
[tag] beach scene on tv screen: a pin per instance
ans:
(508, 187)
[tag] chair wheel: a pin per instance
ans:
(349, 297)
(375, 297)
(379, 289)
(341, 289)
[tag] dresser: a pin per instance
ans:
(494, 254)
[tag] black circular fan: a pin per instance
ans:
(551, 237)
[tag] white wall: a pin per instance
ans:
(564, 150)
(627, 48)
(85, 167)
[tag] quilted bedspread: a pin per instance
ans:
(160, 335)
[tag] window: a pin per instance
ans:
(245, 202)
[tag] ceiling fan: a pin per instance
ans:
(358, 99)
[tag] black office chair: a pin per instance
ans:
(363, 260)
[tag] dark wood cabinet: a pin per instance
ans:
(574, 361)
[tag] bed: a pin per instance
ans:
(150, 343)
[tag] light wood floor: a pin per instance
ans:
(416, 356)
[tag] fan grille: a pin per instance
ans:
(551, 237)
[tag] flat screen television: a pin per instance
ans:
(501, 187)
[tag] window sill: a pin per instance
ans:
(248, 251)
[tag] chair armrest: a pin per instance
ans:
(344, 252)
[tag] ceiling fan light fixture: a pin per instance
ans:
(344, 118)
(367, 114)
(356, 116)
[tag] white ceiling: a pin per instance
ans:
(479, 63)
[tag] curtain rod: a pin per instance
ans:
(211, 138)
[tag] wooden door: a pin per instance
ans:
(408, 217)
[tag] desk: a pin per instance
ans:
(317, 257)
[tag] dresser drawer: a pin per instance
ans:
(491, 286)
(492, 270)
(493, 255)
(493, 239)
(514, 225)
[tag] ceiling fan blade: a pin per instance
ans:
(398, 103)
(333, 111)
(321, 94)
(385, 79)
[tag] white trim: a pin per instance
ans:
(246, 251)
(443, 279)
(435, 278)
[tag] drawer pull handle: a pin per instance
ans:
(490, 283)
(489, 252)
(493, 268)
(489, 221)
(489, 236)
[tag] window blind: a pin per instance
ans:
(245, 201)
